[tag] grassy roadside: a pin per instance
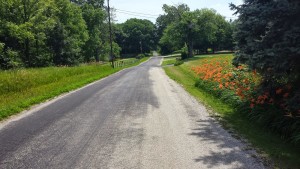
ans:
(20, 89)
(173, 55)
(270, 146)
(168, 61)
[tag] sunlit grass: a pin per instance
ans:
(168, 61)
(20, 89)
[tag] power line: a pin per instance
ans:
(138, 13)
(150, 17)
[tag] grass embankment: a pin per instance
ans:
(20, 89)
(270, 145)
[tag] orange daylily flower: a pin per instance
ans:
(279, 91)
(286, 95)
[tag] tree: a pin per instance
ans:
(171, 40)
(71, 30)
(200, 28)
(120, 36)
(24, 27)
(226, 41)
(94, 3)
(94, 16)
(213, 31)
(268, 41)
(41, 33)
(172, 14)
(179, 33)
(138, 36)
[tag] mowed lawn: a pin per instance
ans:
(22, 88)
(269, 145)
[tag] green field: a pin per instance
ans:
(22, 88)
(269, 145)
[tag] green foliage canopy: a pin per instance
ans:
(94, 18)
(198, 29)
(136, 36)
(72, 30)
(172, 14)
(37, 33)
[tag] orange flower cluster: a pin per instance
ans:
(282, 93)
(262, 99)
(224, 75)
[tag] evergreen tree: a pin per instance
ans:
(268, 41)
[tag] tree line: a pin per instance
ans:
(136, 36)
(176, 29)
(195, 30)
(39, 33)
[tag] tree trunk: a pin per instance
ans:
(190, 48)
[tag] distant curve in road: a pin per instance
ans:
(137, 118)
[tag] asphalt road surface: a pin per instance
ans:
(137, 118)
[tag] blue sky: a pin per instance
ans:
(137, 8)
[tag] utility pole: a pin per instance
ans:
(110, 37)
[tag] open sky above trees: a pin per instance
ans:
(153, 7)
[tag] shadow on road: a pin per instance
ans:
(227, 150)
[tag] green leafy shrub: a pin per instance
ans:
(8, 58)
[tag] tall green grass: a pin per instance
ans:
(22, 88)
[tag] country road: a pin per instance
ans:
(137, 118)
